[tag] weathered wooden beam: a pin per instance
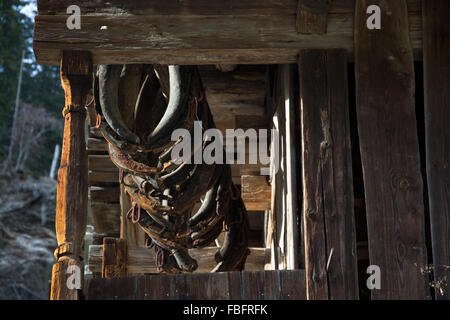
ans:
(437, 130)
(72, 192)
(389, 148)
(114, 258)
(192, 32)
(141, 260)
(312, 16)
(329, 227)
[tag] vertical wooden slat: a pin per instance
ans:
(272, 285)
(198, 286)
(293, 285)
(234, 285)
(252, 285)
(72, 193)
(157, 287)
(290, 177)
(390, 151)
(337, 183)
(112, 289)
(436, 45)
(329, 228)
(313, 99)
(218, 284)
(129, 90)
(114, 258)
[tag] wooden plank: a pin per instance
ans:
(198, 286)
(98, 178)
(390, 151)
(314, 98)
(157, 287)
(144, 32)
(279, 178)
(72, 191)
(272, 287)
(234, 285)
(111, 289)
(312, 16)
(437, 126)
(255, 192)
(114, 258)
(267, 285)
(290, 169)
(327, 177)
(96, 144)
(249, 121)
(337, 183)
(141, 260)
(101, 163)
(252, 285)
(217, 284)
(106, 218)
(106, 195)
(292, 283)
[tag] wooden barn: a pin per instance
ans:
(347, 102)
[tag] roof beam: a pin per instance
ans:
(192, 31)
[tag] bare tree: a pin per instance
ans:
(31, 126)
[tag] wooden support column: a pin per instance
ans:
(329, 227)
(389, 148)
(72, 192)
(129, 91)
(436, 45)
(114, 258)
(312, 16)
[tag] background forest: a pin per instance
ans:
(41, 97)
(27, 194)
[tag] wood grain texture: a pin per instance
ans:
(72, 190)
(337, 179)
(114, 258)
(255, 192)
(390, 151)
(312, 16)
(106, 217)
(192, 32)
(261, 285)
(314, 98)
(327, 176)
(141, 260)
(112, 289)
(437, 126)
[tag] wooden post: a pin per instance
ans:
(389, 148)
(129, 91)
(114, 258)
(329, 227)
(72, 192)
(436, 36)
